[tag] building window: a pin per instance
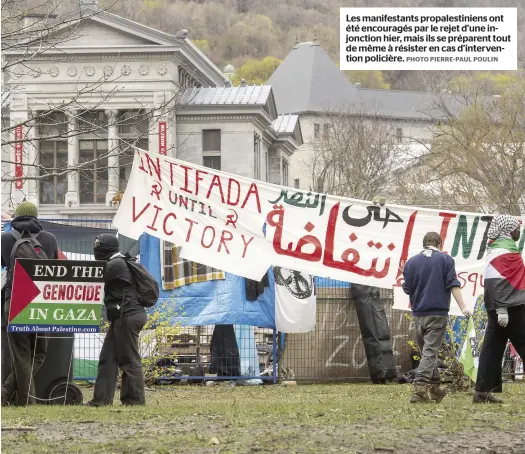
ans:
(53, 158)
(211, 148)
(53, 125)
(134, 127)
(134, 122)
(326, 130)
(317, 129)
(399, 135)
(125, 160)
(212, 162)
(257, 156)
(285, 172)
(211, 140)
(296, 183)
(93, 121)
(94, 176)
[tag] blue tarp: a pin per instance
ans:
(220, 302)
(322, 282)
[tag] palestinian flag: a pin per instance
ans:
(504, 275)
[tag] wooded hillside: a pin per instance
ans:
(241, 31)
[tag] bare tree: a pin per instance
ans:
(28, 34)
(477, 156)
(356, 154)
(419, 185)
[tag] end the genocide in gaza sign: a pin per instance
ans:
(56, 296)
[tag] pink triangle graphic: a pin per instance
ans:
(24, 291)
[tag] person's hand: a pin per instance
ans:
(402, 266)
(503, 319)
(467, 312)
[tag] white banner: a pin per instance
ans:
(244, 226)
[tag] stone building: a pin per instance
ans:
(107, 83)
(309, 84)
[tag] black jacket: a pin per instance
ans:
(120, 294)
(20, 224)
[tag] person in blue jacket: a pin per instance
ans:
(429, 280)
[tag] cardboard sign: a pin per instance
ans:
(56, 296)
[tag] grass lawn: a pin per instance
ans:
(309, 418)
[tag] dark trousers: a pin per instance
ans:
(121, 350)
(494, 345)
(375, 332)
(430, 331)
(225, 358)
(28, 353)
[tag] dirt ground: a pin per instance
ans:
(350, 418)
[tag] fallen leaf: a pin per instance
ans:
(214, 441)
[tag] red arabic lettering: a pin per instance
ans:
(347, 264)
(275, 218)
(316, 254)
(406, 248)
(350, 256)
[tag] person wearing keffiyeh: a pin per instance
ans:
(504, 290)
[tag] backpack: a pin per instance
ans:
(26, 246)
(146, 285)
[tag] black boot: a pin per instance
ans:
(485, 398)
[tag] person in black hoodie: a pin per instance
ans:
(27, 350)
(127, 318)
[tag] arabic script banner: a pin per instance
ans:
(244, 226)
